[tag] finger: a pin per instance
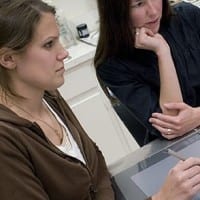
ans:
(147, 31)
(137, 31)
(195, 178)
(161, 129)
(190, 179)
(161, 123)
(137, 34)
(163, 117)
(192, 172)
(191, 176)
(196, 187)
(189, 165)
(169, 137)
(165, 132)
(191, 162)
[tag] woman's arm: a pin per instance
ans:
(169, 84)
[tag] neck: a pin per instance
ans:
(34, 106)
(35, 110)
(28, 97)
(30, 108)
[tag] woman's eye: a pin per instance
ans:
(136, 4)
(49, 44)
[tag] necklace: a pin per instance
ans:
(56, 131)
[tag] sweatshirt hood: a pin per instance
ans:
(8, 116)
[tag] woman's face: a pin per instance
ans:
(41, 66)
(146, 13)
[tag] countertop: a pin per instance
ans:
(79, 53)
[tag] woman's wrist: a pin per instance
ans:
(197, 115)
(162, 52)
(157, 196)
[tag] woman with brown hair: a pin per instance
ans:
(44, 152)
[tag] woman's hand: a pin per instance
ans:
(146, 39)
(170, 127)
(182, 182)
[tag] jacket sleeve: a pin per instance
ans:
(104, 185)
(18, 180)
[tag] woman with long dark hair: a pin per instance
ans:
(148, 56)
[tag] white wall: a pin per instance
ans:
(79, 11)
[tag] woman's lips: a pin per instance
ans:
(153, 25)
(153, 22)
(60, 69)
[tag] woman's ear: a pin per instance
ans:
(7, 58)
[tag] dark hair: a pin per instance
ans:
(18, 19)
(115, 37)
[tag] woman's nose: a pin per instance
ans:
(151, 8)
(63, 54)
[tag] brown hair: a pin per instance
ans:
(115, 32)
(18, 19)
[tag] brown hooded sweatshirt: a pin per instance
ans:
(32, 168)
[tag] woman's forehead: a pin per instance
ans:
(46, 24)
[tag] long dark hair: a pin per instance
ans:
(115, 31)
